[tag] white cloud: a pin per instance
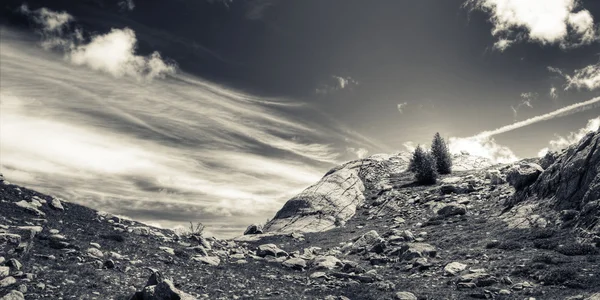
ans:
(401, 107)
(560, 22)
(359, 152)
(561, 142)
(503, 44)
(114, 53)
(50, 21)
(482, 146)
(588, 78)
(526, 99)
(127, 5)
(336, 83)
(553, 93)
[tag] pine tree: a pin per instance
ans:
(416, 159)
(424, 166)
(427, 170)
(439, 150)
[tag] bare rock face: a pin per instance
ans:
(523, 175)
(334, 199)
(572, 180)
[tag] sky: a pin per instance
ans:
(219, 111)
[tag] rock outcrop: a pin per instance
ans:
(522, 175)
(572, 181)
(334, 199)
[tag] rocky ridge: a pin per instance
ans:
(365, 231)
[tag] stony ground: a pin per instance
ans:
(446, 241)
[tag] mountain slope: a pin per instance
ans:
(470, 236)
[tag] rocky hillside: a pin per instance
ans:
(364, 231)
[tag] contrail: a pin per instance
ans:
(565, 111)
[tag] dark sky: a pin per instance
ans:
(390, 71)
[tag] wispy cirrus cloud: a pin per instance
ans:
(526, 100)
(49, 21)
(562, 22)
(585, 78)
(167, 151)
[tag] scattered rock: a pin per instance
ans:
(405, 296)
(495, 177)
(30, 208)
(209, 260)
(452, 209)
(326, 262)
(13, 295)
(94, 252)
(169, 250)
(454, 268)
(56, 204)
(7, 281)
(295, 263)
(270, 250)
(14, 264)
(158, 288)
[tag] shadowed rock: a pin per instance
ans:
(158, 288)
(523, 175)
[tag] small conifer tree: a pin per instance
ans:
(424, 166)
(416, 158)
(443, 158)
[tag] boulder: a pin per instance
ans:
(295, 263)
(7, 281)
(31, 208)
(326, 262)
(13, 295)
(270, 250)
(405, 296)
(56, 204)
(14, 264)
(209, 260)
(158, 288)
(94, 252)
(452, 209)
(523, 175)
(454, 268)
(254, 229)
(366, 241)
(409, 251)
